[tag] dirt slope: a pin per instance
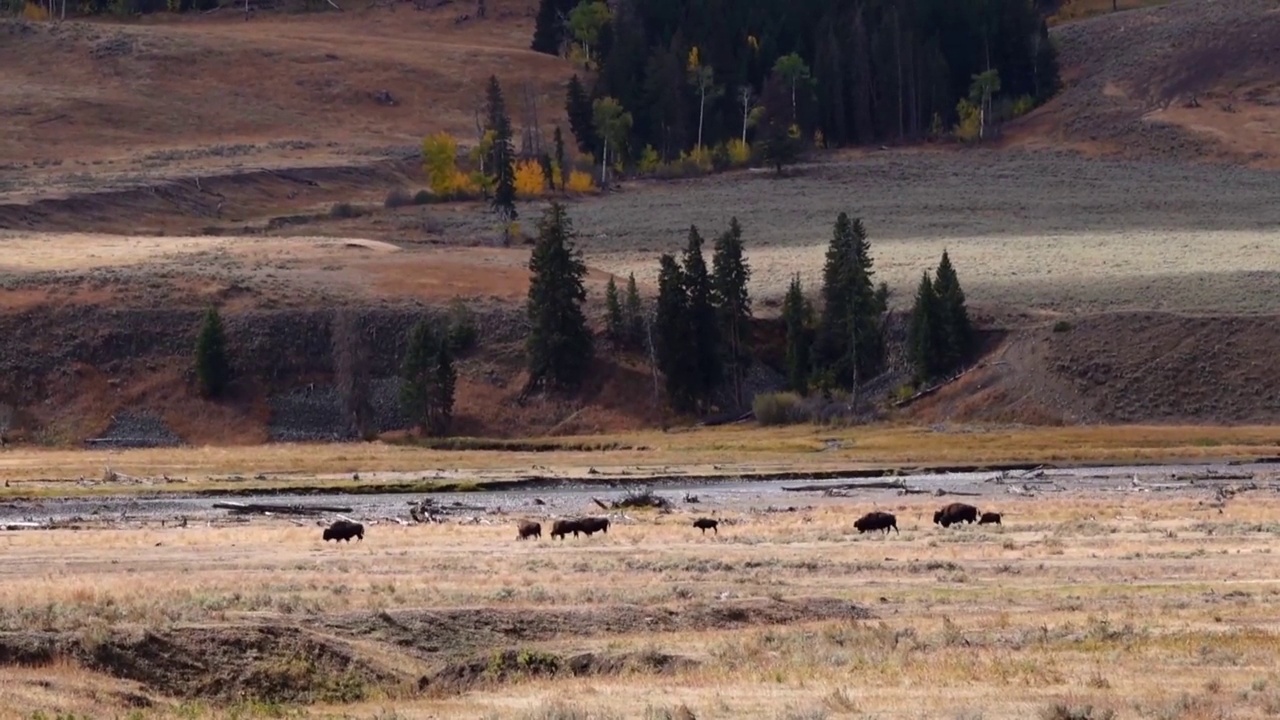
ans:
(1123, 368)
(1191, 80)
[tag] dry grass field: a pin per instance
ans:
(1079, 606)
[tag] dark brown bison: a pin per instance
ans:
(593, 525)
(560, 528)
(344, 530)
(954, 514)
(877, 520)
(705, 524)
(527, 529)
(990, 518)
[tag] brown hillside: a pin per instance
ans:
(1190, 80)
(1123, 368)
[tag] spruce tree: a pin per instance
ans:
(502, 156)
(730, 274)
(213, 369)
(613, 322)
(778, 136)
(926, 337)
(702, 320)
(429, 378)
(673, 332)
(633, 314)
(849, 347)
(548, 28)
(797, 315)
(560, 160)
(957, 329)
(581, 114)
(559, 347)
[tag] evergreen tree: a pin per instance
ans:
(560, 160)
(581, 115)
(956, 328)
(926, 338)
(850, 344)
(730, 274)
(797, 315)
(502, 156)
(633, 314)
(213, 369)
(549, 26)
(778, 134)
(429, 378)
(548, 171)
(702, 320)
(559, 346)
(673, 330)
(614, 327)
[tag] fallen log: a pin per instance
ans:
(269, 508)
(891, 485)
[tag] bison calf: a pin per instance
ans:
(527, 529)
(344, 530)
(877, 521)
(990, 518)
(954, 514)
(705, 524)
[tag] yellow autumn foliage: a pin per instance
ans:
(580, 182)
(440, 163)
(530, 181)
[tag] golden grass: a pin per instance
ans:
(1150, 606)
(1081, 9)
(723, 451)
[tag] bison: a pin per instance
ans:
(344, 530)
(989, 518)
(560, 528)
(705, 524)
(954, 514)
(592, 525)
(877, 521)
(527, 529)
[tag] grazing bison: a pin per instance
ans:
(877, 521)
(344, 530)
(560, 528)
(705, 524)
(527, 529)
(990, 518)
(954, 514)
(592, 525)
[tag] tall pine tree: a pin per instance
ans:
(633, 314)
(559, 347)
(558, 139)
(549, 26)
(850, 347)
(429, 379)
(926, 335)
(730, 275)
(213, 369)
(674, 336)
(581, 114)
(502, 156)
(702, 320)
(797, 315)
(613, 322)
(957, 329)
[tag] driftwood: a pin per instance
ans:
(888, 485)
(939, 385)
(269, 509)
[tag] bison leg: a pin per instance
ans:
(716, 529)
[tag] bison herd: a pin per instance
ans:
(877, 520)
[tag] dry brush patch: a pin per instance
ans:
(1145, 606)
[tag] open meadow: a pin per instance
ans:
(1104, 605)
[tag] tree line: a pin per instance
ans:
(698, 333)
(692, 75)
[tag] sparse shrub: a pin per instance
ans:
(530, 181)
(462, 327)
(739, 153)
(720, 160)
(422, 197)
(649, 161)
(1063, 711)
(32, 11)
(1023, 105)
(344, 211)
(581, 183)
(398, 198)
(775, 408)
(1062, 326)
(969, 126)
